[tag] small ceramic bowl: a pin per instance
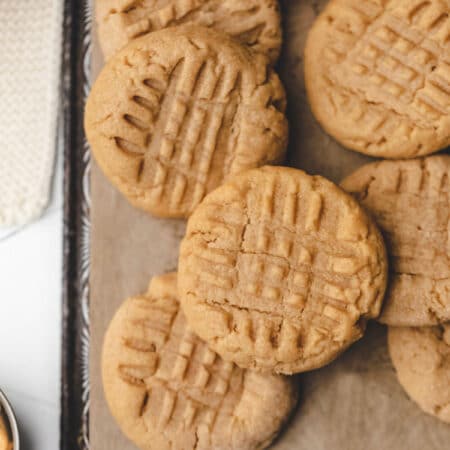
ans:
(10, 417)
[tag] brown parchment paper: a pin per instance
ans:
(354, 403)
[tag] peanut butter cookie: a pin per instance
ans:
(279, 270)
(255, 23)
(168, 390)
(378, 75)
(409, 200)
(177, 111)
(421, 357)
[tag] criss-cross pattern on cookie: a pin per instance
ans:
(254, 22)
(397, 56)
(187, 385)
(285, 270)
(410, 202)
(177, 119)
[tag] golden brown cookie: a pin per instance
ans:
(177, 111)
(409, 200)
(378, 75)
(421, 357)
(255, 23)
(168, 390)
(279, 270)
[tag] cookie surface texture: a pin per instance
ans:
(168, 390)
(279, 270)
(378, 75)
(421, 357)
(179, 110)
(409, 200)
(255, 23)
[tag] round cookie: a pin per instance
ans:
(179, 110)
(378, 75)
(279, 270)
(256, 23)
(409, 200)
(421, 357)
(168, 390)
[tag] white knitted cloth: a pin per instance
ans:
(29, 87)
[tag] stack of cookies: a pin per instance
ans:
(279, 270)
(378, 79)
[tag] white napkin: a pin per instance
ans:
(30, 53)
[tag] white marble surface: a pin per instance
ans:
(30, 322)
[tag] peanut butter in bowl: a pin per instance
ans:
(5, 435)
(9, 433)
